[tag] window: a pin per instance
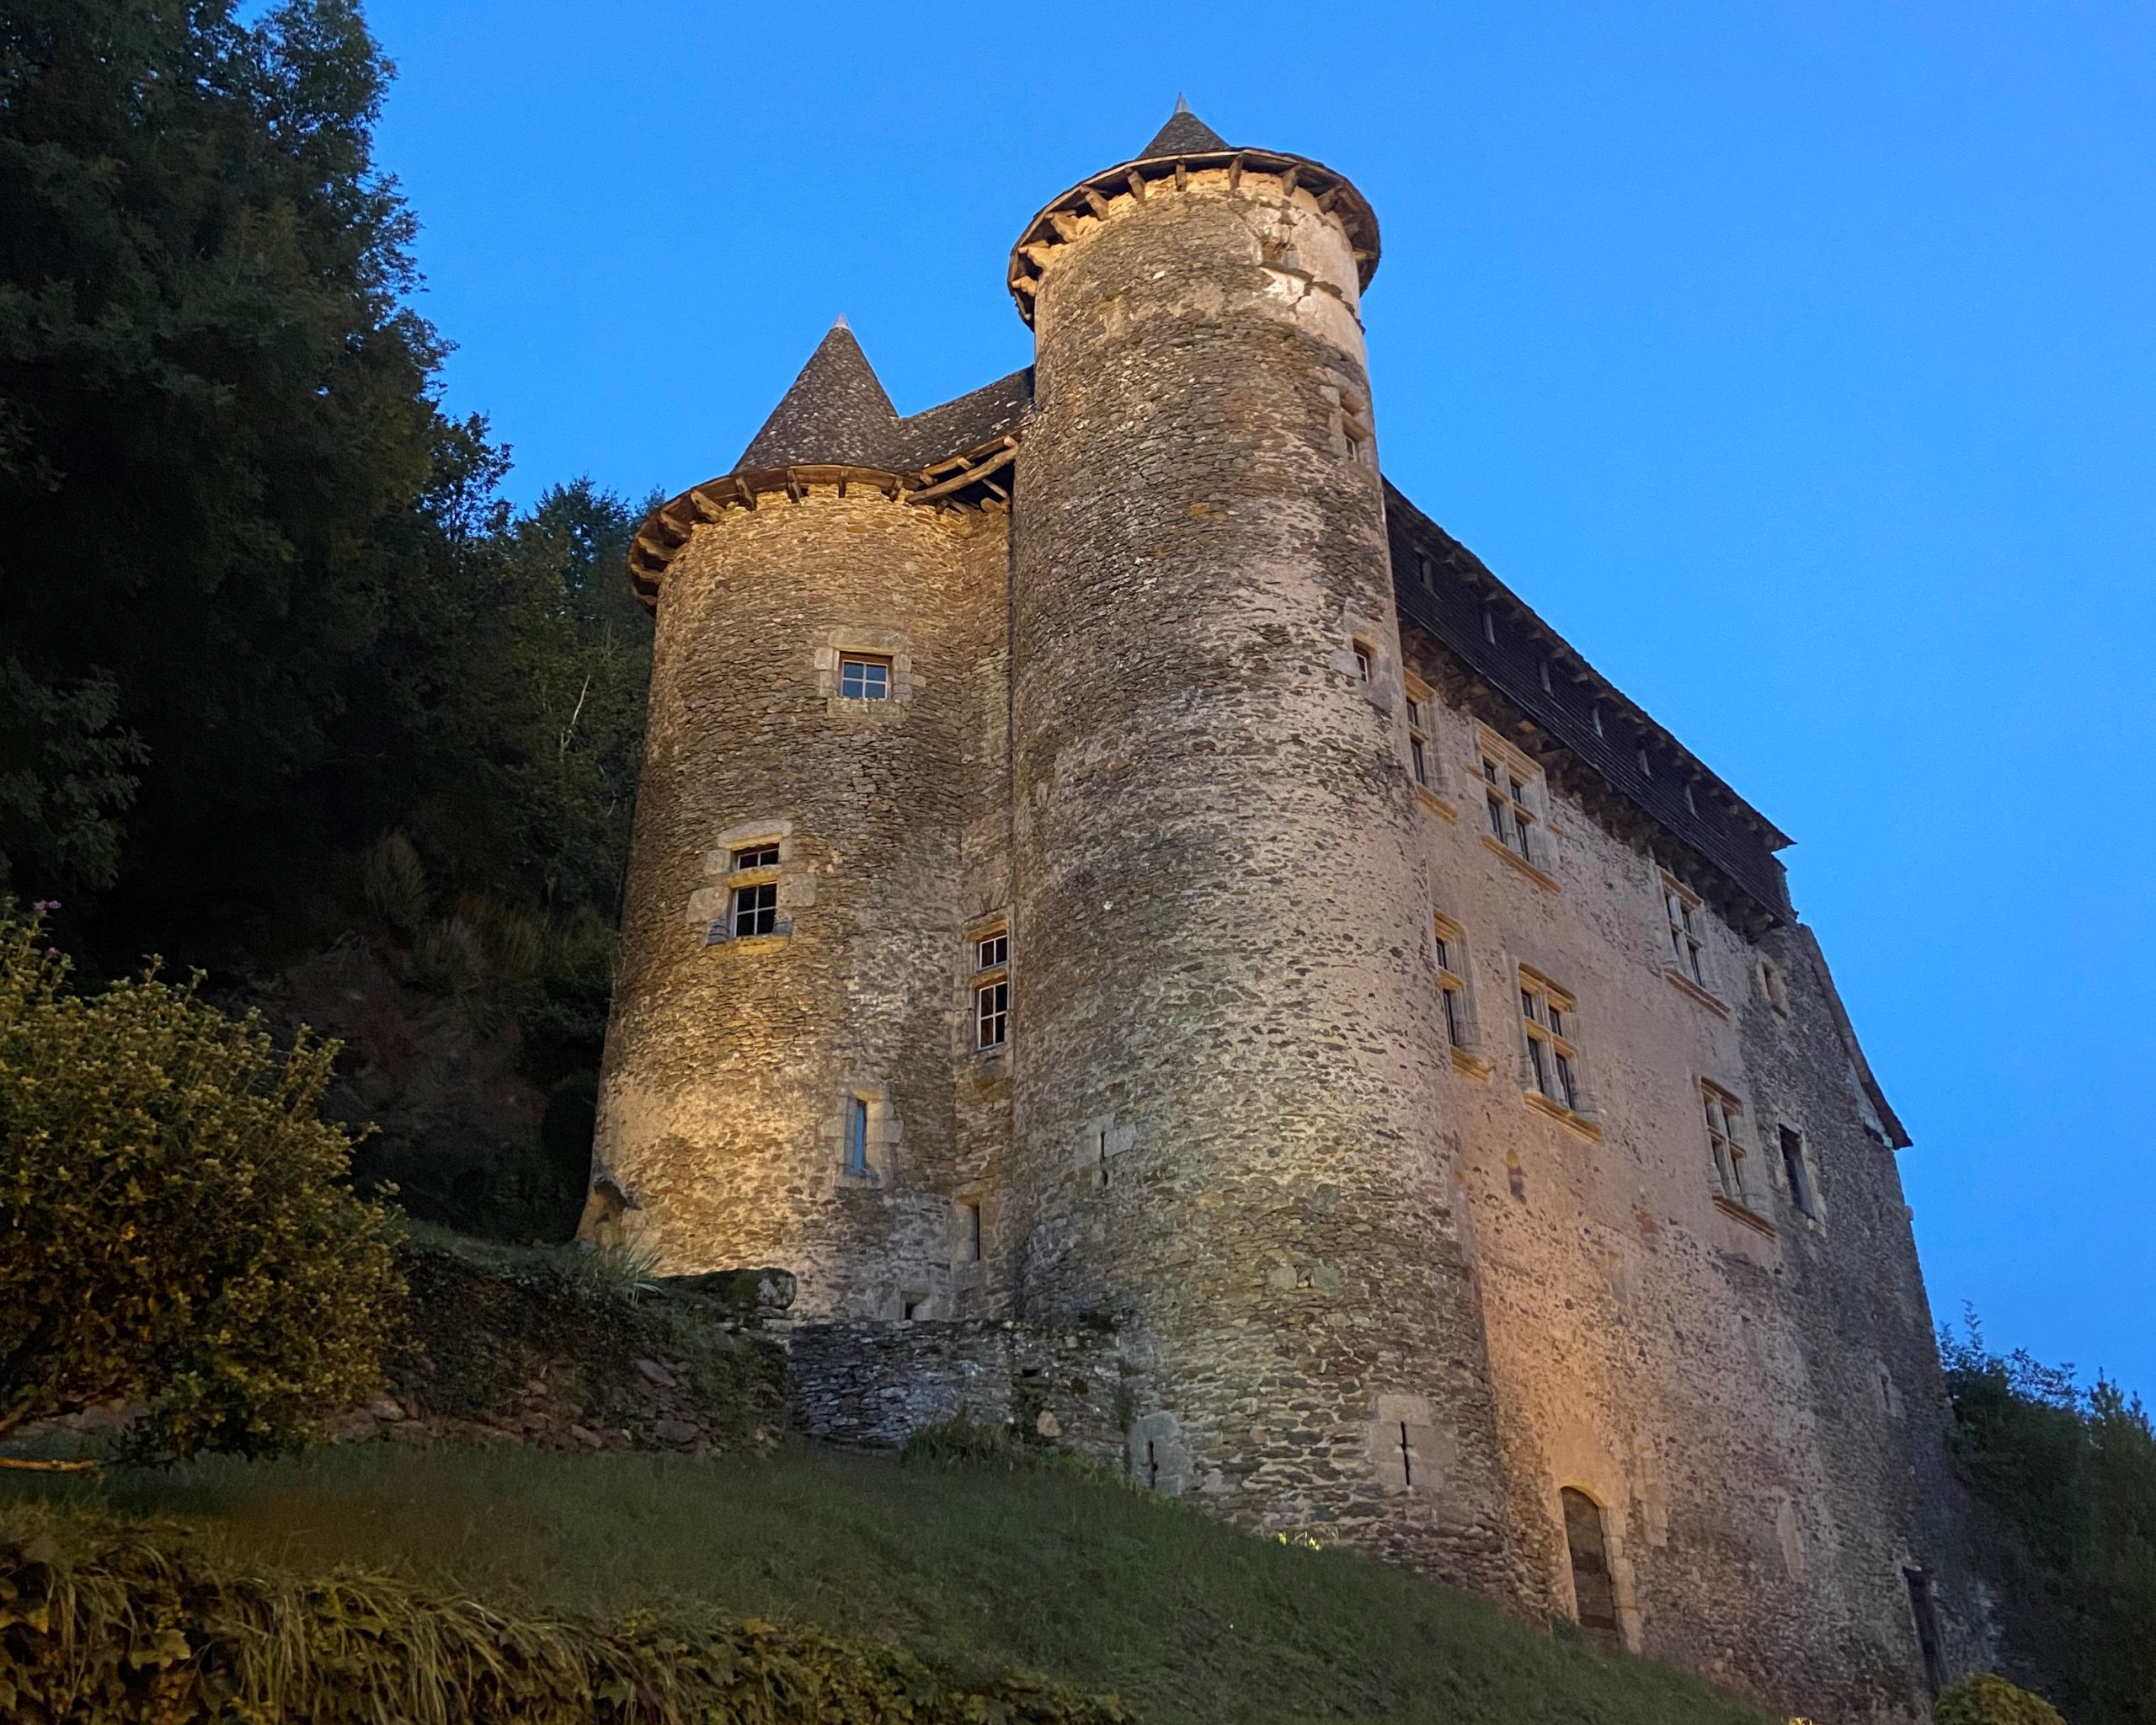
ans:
(991, 1014)
(864, 677)
(1725, 1143)
(1451, 944)
(969, 1230)
(991, 989)
(857, 1134)
(1550, 1060)
(914, 1305)
(1418, 737)
(1647, 766)
(759, 855)
(1505, 790)
(1687, 932)
(1427, 574)
(756, 909)
(1363, 661)
(1796, 1170)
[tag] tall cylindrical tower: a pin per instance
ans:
(776, 1089)
(1226, 1123)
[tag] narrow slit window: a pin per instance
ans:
(1726, 1143)
(1796, 1170)
(857, 1134)
(1363, 662)
(969, 1230)
(864, 676)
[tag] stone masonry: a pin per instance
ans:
(1419, 1109)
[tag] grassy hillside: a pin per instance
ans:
(1099, 1586)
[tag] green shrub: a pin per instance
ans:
(134, 1625)
(173, 1226)
(1993, 1700)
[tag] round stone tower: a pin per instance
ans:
(776, 1089)
(1226, 1129)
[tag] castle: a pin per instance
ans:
(1114, 882)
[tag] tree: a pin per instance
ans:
(173, 1225)
(2064, 1480)
(215, 417)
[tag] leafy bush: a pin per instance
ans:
(174, 1230)
(135, 1626)
(1993, 1700)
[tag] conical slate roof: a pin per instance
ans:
(1184, 135)
(836, 413)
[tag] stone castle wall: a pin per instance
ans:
(1247, 1217)
(1219, 1138)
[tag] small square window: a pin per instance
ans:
(759, 855)
(864, 677)
(756, 909)
(992, 952)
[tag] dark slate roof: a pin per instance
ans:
(1184, 135)
(1445, 590)
(836, 411)
(992, 411)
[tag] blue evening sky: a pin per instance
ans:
(1794, 359)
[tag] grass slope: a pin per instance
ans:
(1102, 1586)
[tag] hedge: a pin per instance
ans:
(106, 1624)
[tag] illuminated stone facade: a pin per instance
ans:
(1412, 1060)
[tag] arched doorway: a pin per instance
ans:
(1594, 1591)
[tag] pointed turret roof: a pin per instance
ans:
(1184, 135)
(836, 411)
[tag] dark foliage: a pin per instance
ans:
(2066, 1478)
(264, 605)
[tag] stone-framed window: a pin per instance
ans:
(1365, 661)
(865, 673)
(859, 1135)
(1422, 761)
(1455, 995)
(1687, 931)
(991, 988)
(1514, 802)
(1724, 1116)
(864, 676)
(1549, 1050)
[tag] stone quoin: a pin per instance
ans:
(1158, 940)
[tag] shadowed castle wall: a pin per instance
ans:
(1224, 1131)
(729, 1064)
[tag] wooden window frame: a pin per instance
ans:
(991, 988)
(1515, 802)
(1684, 924)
